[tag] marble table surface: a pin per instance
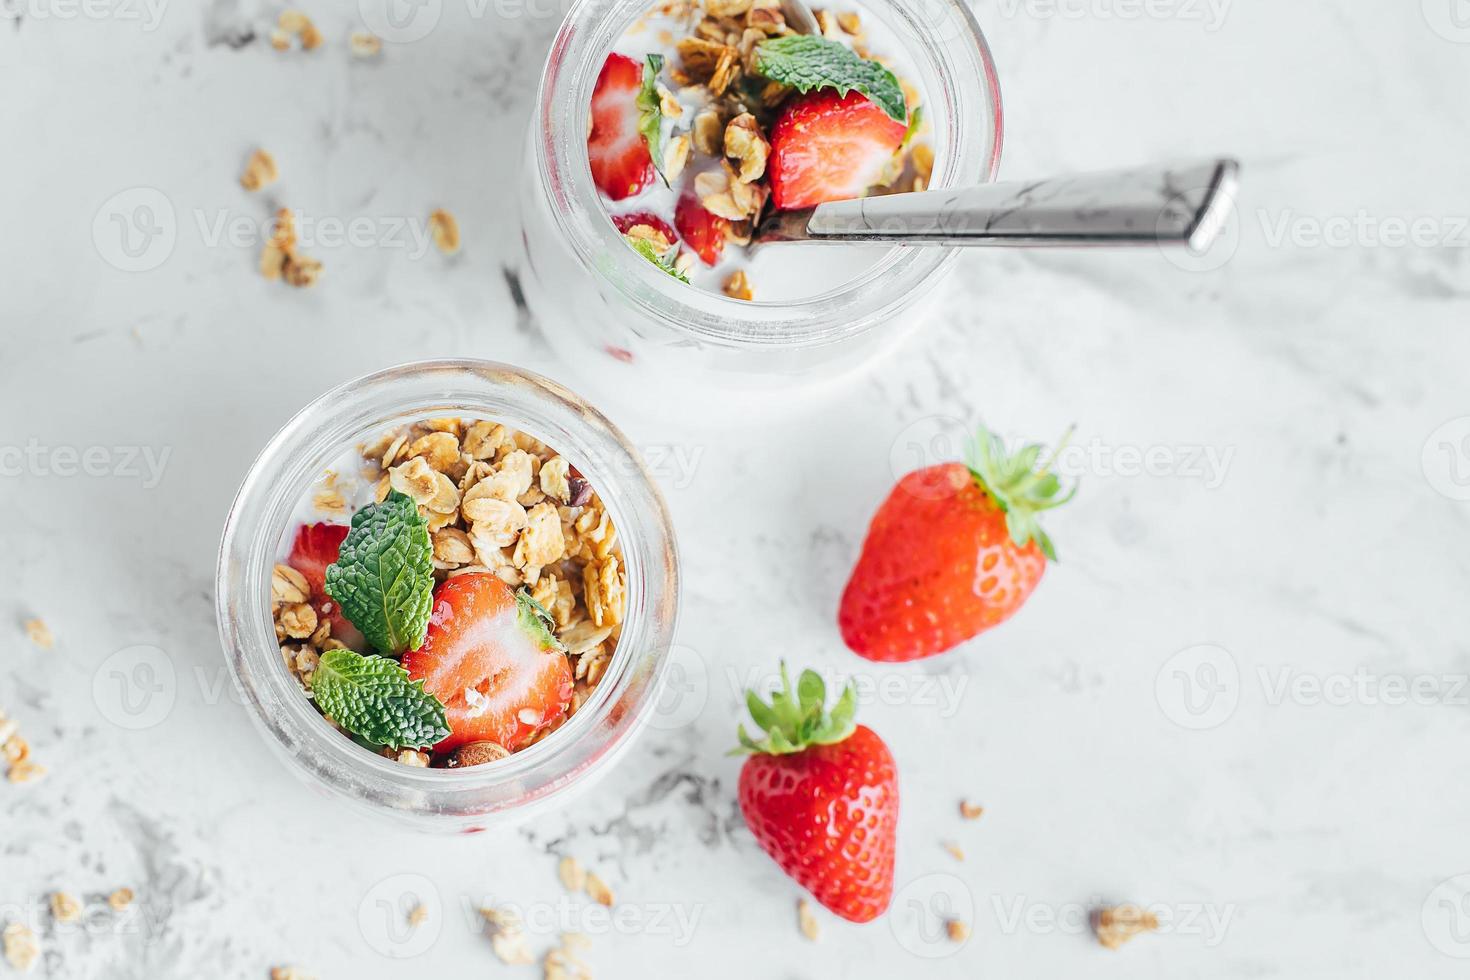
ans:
(1236, 699)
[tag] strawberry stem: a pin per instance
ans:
(795, 719)
(1021, 484)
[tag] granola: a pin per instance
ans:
(495, 503)
(738, 115)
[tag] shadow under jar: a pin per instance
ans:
(264, 515)
(622, 321)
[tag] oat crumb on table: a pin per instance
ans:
(65, 907)
(22, 947)
(40, 634)
(120, 899)
(970, 811)
(1116, 925)
(806, 919)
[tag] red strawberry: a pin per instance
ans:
(621, 166)
(953, 551)
(701, 231)
(490, 658)
(821, 797)
(829, 147)
(316, 546)
(627, 222)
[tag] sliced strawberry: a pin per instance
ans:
(317, 546)
(827, 147)
(621, 166)
(490, 659)
(627, 222)
(701, 231)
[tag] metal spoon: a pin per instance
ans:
(1180, 205)
(1177, 205)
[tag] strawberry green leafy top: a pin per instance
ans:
(796, 719)
(1019, 487)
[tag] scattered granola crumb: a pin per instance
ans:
(120, 899)
(25, 771)
(365, 45)
(290, 973)
(22, 948)
(280, 40)
(65, 907)
(445, 231)
(561, 963)
(508, 940)
(970, 811)
(311, 38)
(806, 918)
(477, 754)
(292, 21)
(418, 915)
(1116, 925)
(598, 891)
(957, 930)
(40, 634)
(955, 851)
(738, 286)
(301, 271)
(260, 170)
(573, 875)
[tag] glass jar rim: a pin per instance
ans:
(343, 417)
(589, 32)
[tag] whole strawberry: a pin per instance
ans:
(820, 794)
(953, 551)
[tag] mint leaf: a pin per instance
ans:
(650, 112)
(383, 577)
(372, 697)
(536, 620)
(645, 248)
(807, 61)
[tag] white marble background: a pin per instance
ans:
(1309, 829)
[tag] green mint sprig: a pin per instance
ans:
(372, 697)
(809, 61)
(645, 248)
(383, 577)
(651, 114)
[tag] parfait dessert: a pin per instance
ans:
(450, 594)
(713, 113)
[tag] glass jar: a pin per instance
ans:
(262, 519)
(612, 313)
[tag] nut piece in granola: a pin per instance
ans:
(747, 147)
(970, 811)
(1115, 925)
(738, 286)
(260, 170)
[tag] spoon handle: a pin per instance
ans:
(1183, 205)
